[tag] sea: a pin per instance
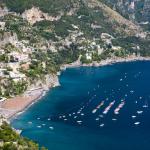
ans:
(95, 108)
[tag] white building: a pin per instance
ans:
(2, 25)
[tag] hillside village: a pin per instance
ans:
(23, 60)
(34, 44)
(38, 38)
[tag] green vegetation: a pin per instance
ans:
(49, 6)
(54, 43)
(10, 140)
(131, 44)
(11, 88)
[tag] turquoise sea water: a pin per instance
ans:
(80, 114)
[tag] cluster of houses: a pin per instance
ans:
(17, 59)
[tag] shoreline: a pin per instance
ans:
(13, 107)
(108, 61)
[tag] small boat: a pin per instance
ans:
(51, 128)
(139, 112)
(79, 122)
(126, 95)
(97, 119)
(38, 126)
(101, 125)
(133, 116)
(114, 119)
(94, 111)
(101, 116)
(145, 106)
(137, 123)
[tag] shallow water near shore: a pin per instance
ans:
(95, 108)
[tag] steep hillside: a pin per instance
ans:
(11, 140)
(38, 37)
(55, 10)
(135, 10)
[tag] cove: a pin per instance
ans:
(95, 108)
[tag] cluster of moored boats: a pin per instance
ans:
(99, 112)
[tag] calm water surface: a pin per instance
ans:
(104, 108)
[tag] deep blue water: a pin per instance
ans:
(65, 118)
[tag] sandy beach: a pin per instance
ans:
(14, 106)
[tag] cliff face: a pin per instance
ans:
(146, 11)
(136, 10)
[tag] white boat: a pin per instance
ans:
(97, 119)
(139, 112)
(137, 123)
(133, 116)
(101, 125)
(79, 122)
(51, 128)
(145, 106)
(94, 111)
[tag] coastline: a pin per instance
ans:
(12, 107)
(108, 61)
